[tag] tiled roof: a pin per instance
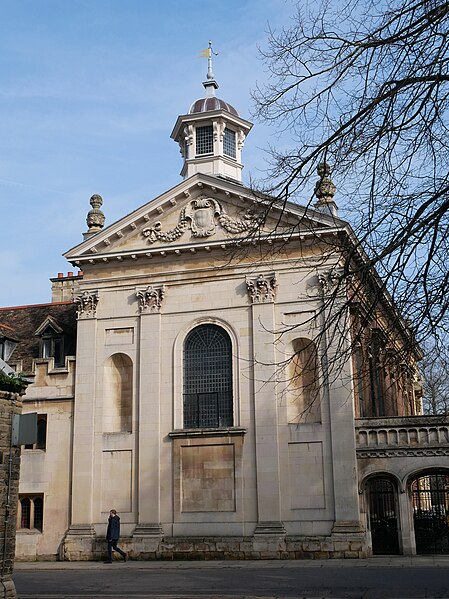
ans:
(25, 320)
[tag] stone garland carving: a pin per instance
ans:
(150, 299)
(262, 288)
(87, 304)
(201, 216)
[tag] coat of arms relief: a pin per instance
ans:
(202, 216)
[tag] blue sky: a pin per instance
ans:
(89, 93)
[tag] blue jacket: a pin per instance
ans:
(113, 532)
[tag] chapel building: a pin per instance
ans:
(211, 375)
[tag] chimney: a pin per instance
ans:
(63, 287)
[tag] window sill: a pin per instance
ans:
(207, 432)
(29, 531)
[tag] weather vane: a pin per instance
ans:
(207, 53)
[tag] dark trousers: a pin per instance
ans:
(112, 545)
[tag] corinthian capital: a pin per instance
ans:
(87, 304)
(150, 299)
(262, 288)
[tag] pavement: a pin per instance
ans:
(380, 577)
(396, 561)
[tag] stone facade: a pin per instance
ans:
(219, 402)
(10, 403)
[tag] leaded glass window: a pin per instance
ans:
(30, 513)
(204, 140)
(208, 378)
(25, 516)
(229, 143)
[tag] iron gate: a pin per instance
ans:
(430, 495)
(383, 516)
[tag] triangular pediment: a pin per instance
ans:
(202, 210)
(48, 326)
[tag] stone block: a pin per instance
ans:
(355, 546)
(341, 545)
(321, 555)
(311, 546)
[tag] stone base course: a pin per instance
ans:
(220, 548)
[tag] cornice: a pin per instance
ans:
(209, 116)
(207, 246)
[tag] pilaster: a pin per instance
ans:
(339, 393)
(84, 417)
(150, 304)
(262, 292)
(406, 528)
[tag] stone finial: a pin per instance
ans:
(95, 217)
(325, 190)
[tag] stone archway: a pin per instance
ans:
(430, 504)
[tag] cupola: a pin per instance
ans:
(212, 134)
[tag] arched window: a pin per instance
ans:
(208, 378)
(303, 384)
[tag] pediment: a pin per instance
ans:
(201, 210)
(48, 326)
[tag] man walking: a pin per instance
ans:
(113, 535)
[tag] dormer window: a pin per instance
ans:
(53, 347)
(204, 140)
(52, 343)
(229, 146)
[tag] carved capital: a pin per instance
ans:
(87, 304)
(329, 280)
(262, 288)
(150, 299)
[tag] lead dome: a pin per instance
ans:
(210, 104)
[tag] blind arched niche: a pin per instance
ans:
(304, 403)
(118, 393)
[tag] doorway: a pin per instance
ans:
(430, 500)
(383, 516)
